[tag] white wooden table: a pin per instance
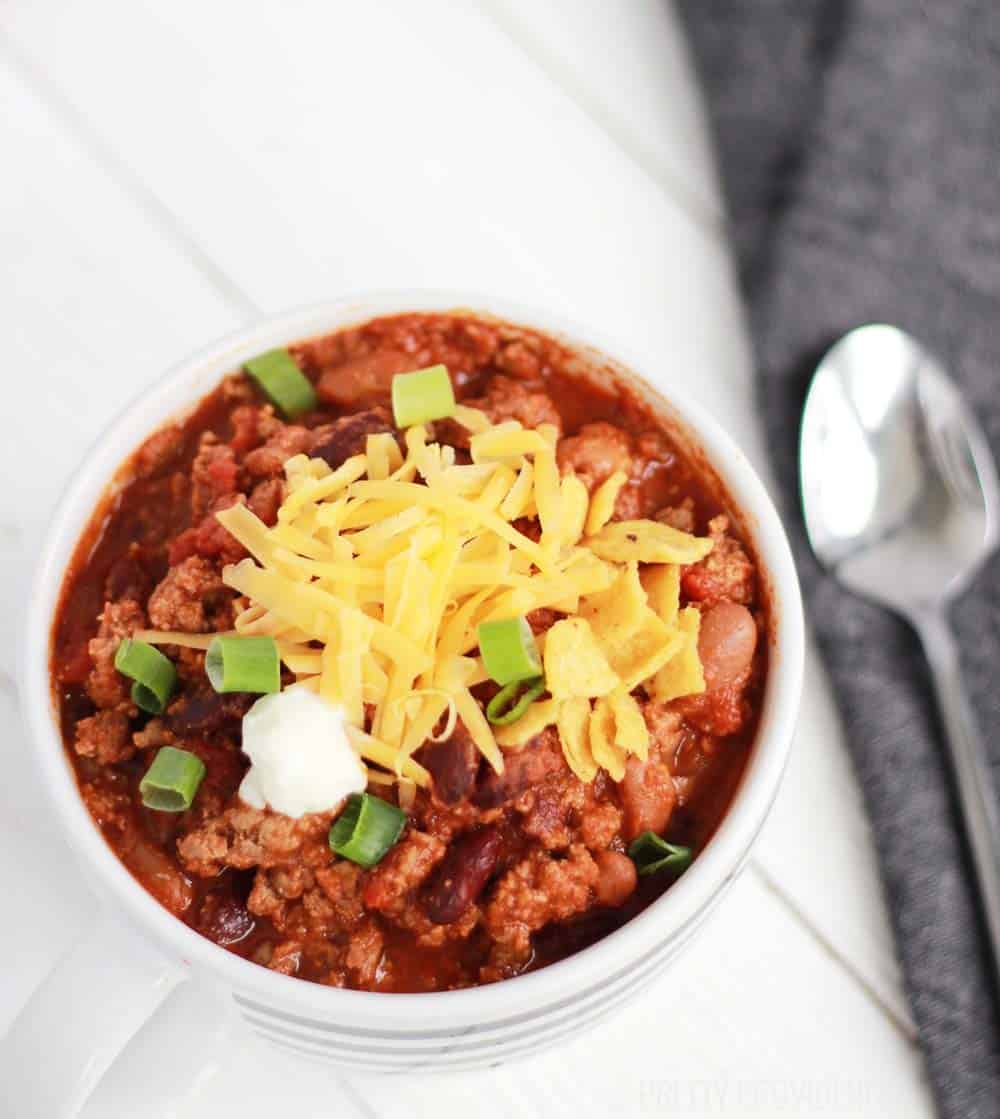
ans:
(169, 172)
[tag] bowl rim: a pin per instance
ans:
(665, 919)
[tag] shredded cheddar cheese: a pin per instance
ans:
(602, 504)
(377, 574)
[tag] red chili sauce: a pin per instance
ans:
(492, 876)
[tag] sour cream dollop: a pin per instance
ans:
(301, 759)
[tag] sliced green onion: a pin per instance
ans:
(244, 664)
(366, 829)
(283, 382)
(172, 780)
(153, 674)
(422, 396)
(508, 650)
(651, 853)
(506, 708)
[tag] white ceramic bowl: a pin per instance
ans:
(355, 1030)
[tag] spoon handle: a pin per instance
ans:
(976, 793)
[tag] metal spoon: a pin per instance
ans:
(901, 503)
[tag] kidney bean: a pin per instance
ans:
(202, 712)
(453, 765)
(224, 919)
(617, 879)
(345, 437)
(726, 644)
(461, 875)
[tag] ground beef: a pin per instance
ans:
(153, 735)
(105, 684)
(507, 399)
(341, 884)
(190, 664)
(245, 422)
(283, 442)
(549, 809)
(214, 474)
(536, 891)
(209, 538)
(245, 837)
(521, 359)
(529, 766)
(679, 516)
(266, 901)
(652, 454)
(286, 957)
(393, 883)
(104, 737)
(429, 935)
(317, 917)
(191, 598)
(666, 728)
(725, 573)
(364, 953)
(600, 822)
(265, 500)
(274, 888)
(542, 619)
(718, 713)
(238, 389)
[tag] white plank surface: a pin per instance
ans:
(96, 302)
(234, 158)
(729, 1051)
(626, 64)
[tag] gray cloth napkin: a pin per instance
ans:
(860, 150)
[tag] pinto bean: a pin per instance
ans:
(596, 452)
(453, 765)
(157, 871)
(461, 875)
(648, 797)
(617, 879)
(726, 644)
(365, 378)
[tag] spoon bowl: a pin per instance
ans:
(898, 484)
